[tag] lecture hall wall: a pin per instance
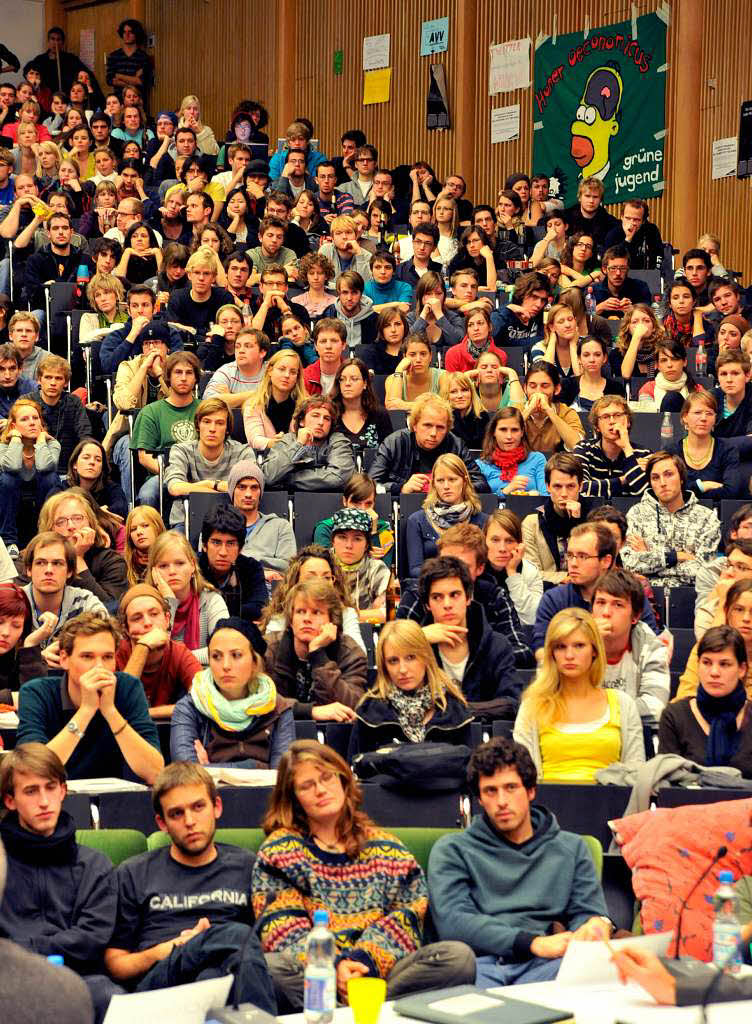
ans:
(227, 49)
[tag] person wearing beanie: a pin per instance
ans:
(368, 577)
(233, 712)
(59, 899)
(268, 538)
(165, 668)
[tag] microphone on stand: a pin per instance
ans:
(719, 854)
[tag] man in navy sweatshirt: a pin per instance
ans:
(61, 898)
(502, 885)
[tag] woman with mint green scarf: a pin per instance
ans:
(233, 712)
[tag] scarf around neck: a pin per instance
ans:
(720, 714)
(508, 461)
(187, 621)
(476, 351)
(663, 387)
(442, 516)
(357, 576)
(32, 848)
(232, 715)
(411, 710)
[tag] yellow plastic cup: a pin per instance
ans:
(366, 997)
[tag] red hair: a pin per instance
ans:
(13, 601)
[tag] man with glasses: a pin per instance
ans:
(613, 467)
(361, 183)
(128, 341)
(129, 211)
(736, 565)
(591, 552)
(425, 239)
(618, 292)
(279, 205)
(332, 202)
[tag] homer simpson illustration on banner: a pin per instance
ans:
(599, 109)
(596, 121)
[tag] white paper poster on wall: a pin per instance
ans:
(376, 52)
(509, 66)
(724, 158)
(505, 123)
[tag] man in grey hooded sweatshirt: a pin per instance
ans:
(268, 538)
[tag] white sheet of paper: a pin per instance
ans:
(724, 157)
(104, 785)
(505, 123)
(186, 1004)
(376, 52)
(509, 66)
(242, 776)
(590, 962)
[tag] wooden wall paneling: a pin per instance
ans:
(104, 18)
(334, 102)
(222, 51)
(725, 206)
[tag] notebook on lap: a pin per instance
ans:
(475, 1006)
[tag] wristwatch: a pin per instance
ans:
(73, 727)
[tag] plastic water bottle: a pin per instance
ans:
(320, 986)
(657, 306)
(701, 360)
(667, 428)
(55, 960)
(590, 302)
(726, 929)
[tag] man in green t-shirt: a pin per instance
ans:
(161, 424)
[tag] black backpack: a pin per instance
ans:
(415, 766)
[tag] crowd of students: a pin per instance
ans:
(250, 320)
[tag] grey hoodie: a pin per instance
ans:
(272, 542)
(650, 682)
(352, 323)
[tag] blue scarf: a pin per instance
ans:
(720, 714)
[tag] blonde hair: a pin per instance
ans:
(466, 383)
(104, 283)
(48, 147)
(263, 393)
(53, 503)
(343, 221)
(544, 699)
(13, 412)
(204, 258)
(166, 540)
(746, 343)
(422, 402)
(73, 162)
(189, 100)
(456, 466)
(549, 329)
(455, 214)
(655, 337)
(409, 638)
(154, 519)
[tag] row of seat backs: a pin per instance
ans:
(121, 843)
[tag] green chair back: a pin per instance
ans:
(420, 840)
(117, 843)
(247, 838)
(596, 852)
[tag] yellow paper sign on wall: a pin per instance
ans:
(376, 86)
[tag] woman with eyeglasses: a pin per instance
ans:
(579, 262)
(323, 852)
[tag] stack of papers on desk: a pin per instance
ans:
(96, 787)
(242, 776)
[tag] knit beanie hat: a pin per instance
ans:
(249, 630)
(738, 321)
(242, 470)
(139, 590)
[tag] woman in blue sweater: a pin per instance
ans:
(506, 460)
(712, 462)
(451, 499)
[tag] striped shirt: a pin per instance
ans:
(605, 478)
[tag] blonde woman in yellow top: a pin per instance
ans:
(569, 722)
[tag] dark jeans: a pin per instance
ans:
(101, 989)
(11, 486)
(229, 948)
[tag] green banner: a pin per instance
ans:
(599, 110)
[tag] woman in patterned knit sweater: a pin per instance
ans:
(323, 852)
